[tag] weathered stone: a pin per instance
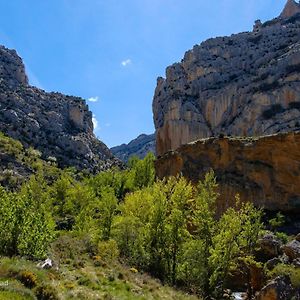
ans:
(269, 246)
(272, 263)
(57, 125)
(264, 171)
(243, 85)
(139, 147)
(12, 69)
(278, 289)
(292, 249)
(291, 8)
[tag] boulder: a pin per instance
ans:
(272, 263)
(47, 264)
(278, 289)
(292, 249)
(270, 246)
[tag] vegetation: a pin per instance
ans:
(167, 228)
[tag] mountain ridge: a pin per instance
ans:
(139, 147)
(57, 125)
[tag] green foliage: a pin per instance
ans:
(168, 227)
(289, 270)
(108, 250)
(97, 215)
(282, 236)
(142, 172)
(46, 292)
(217, 243)
(26, 225)
(278, 221)
(152, 226)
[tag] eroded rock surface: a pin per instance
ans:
(264, 171)
(246, 84)
(59, 126)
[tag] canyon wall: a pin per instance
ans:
(264, 171)
(246, 84)
(57, 125)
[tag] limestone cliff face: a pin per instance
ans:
(291, 8)
(246, 84)
(264, 171)
(139, 147)
(57, 125)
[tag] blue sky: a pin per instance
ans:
(112, 51)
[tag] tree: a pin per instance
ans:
(26, 224)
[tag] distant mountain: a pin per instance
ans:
(139, 147)
(58, 126)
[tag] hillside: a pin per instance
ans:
(59, 126)
(139, 147)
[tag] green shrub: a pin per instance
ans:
(46, 292)
(289, 270)
(282, 236)
(108, 250)
(28, 278)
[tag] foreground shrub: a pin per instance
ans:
(46, 292)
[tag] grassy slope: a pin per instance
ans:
(87, 278)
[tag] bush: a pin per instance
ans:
(108, 250)
(289, 270)
(46, 292)
(28, 278)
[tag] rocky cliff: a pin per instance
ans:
(59, 126)
(139, 147)
(265, 170)
(246, 84)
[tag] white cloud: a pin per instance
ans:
(93, 99)
(107, 125)
(126, 62)
(95, 123)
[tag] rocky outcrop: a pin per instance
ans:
(12, 70)
(246, 84)
(270, 246)
(59, 126)
(292, 249)
(139, 147)
(291, 8)
(278, 289)
(265, 170)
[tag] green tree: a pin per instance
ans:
(142, 172)
(26, 224)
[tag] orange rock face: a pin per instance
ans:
(291, 8)
(264, 171)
